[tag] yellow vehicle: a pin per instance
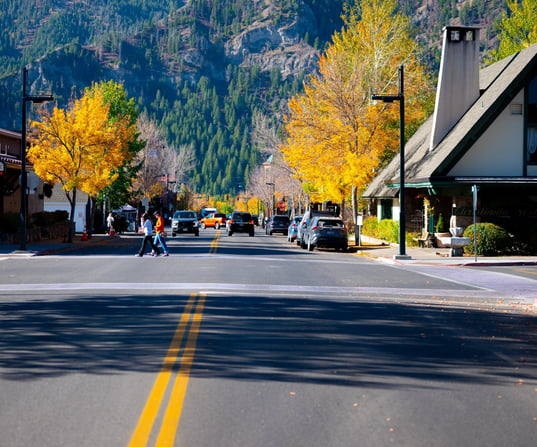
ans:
(214, 220)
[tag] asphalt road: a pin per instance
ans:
(240, 341)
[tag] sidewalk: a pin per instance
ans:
(48, 247)
(437, 256)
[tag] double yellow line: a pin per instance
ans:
(214, 243)
(172, 415)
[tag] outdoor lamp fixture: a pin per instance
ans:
(273, 198)
(389, 99)
(24, 179)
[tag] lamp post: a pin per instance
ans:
(402, 219)
(24, 180)
(273, 194)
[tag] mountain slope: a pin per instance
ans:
(203, 68)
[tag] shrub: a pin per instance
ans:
(490, 239)
(9, 223)
(440, 226)
(369, 226)
(386, 229)
(45, 218)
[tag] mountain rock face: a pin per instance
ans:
(265, 38)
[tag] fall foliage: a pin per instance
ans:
(518, 29)
(81, 147)
(336, 135)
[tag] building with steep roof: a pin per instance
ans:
(483, 133)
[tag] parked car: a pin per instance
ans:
(306, 218)
(277, 224)
(215, 220)
(293, 228)
(240, 222)
(185, 222)
(326, 232)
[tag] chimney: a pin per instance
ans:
(458, 80)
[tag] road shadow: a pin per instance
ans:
(320, 341)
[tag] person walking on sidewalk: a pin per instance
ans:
(147, 225)
(159, 228)
(110, 224)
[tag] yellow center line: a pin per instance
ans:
(151, 409)
(214, 243)
(172, 416)
(525, 271)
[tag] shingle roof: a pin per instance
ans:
(498, 83)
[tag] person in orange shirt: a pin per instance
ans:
(159, 229)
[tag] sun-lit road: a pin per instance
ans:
(239, 341)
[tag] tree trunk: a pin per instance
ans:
(354, 215)
(72, 201)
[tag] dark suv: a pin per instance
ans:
(240, 222)
(278, 224)
(185, 222)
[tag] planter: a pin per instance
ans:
(438, 238)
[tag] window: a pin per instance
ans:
(386, 209)
(532, 122)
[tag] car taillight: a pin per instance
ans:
(231, 221)
(251, 222)
(316, 228)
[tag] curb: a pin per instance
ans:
(503, 263)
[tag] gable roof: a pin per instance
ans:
(499, 83)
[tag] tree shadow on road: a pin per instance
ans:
(325, 340)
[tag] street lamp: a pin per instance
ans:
(402, 219)
(24, 180)
(273, 194)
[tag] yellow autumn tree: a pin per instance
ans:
(518, 29)
(336, 134)
(80, 148)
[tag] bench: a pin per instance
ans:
(426, 240)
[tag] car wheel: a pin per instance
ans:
(297, 242)
(252, 234)
(173, 234)
(229, 233)
(197, 233)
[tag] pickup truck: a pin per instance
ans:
(215, 220)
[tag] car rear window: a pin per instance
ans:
(281, 218)
(330, 223)
(186, 215)
(242, 216)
